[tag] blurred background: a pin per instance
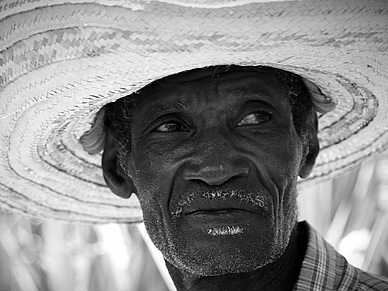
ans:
(351, 212)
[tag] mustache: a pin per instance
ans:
(256, 198)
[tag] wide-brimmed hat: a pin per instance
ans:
(62, 60)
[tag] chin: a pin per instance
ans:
(202, 255)
(219, 248)
(238, 264)
(219, 264)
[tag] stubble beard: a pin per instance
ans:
(214, 261)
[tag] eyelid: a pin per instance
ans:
(167, 118)
(255, 105)
(180, 124)
(260, 111)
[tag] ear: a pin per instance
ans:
(312, 144)
(117, 180)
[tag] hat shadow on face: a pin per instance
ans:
(121, 183)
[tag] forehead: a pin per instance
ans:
(213, 81)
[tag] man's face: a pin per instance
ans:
(215, 161)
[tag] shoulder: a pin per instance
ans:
(373, 282)
(324, 268)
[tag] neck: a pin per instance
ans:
(280, 275)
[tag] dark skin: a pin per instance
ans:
(214, 161)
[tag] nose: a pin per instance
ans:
(215, 170)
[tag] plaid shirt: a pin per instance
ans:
(325, 269)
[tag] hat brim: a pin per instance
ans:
(61, 62)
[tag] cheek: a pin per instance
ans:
(153, 188)
(154, 194)
(288, 156)
(153, 176)
(156, 164)
(148, 166)
(283, 160)
(287, 189)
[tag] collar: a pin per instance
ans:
(323, 268)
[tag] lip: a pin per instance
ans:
(220, 217)
(221, 207)
(217, 211)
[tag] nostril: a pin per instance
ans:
(215, 175)
(243, 172)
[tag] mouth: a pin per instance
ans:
(220, 217)
(222, 212)
(217, 212)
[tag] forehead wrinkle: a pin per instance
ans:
(160, 102)
(176, 105)
(243, 91)
(242, 86)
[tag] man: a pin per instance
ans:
(206, 110)
(214, 155)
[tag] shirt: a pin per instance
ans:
(325, 269)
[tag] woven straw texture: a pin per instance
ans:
(60, 62)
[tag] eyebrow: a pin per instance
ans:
(179, 105)
(247, 91)
(173, 106)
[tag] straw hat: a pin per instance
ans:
(62, 60)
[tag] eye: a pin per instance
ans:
(255, 118)
(171, 126)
